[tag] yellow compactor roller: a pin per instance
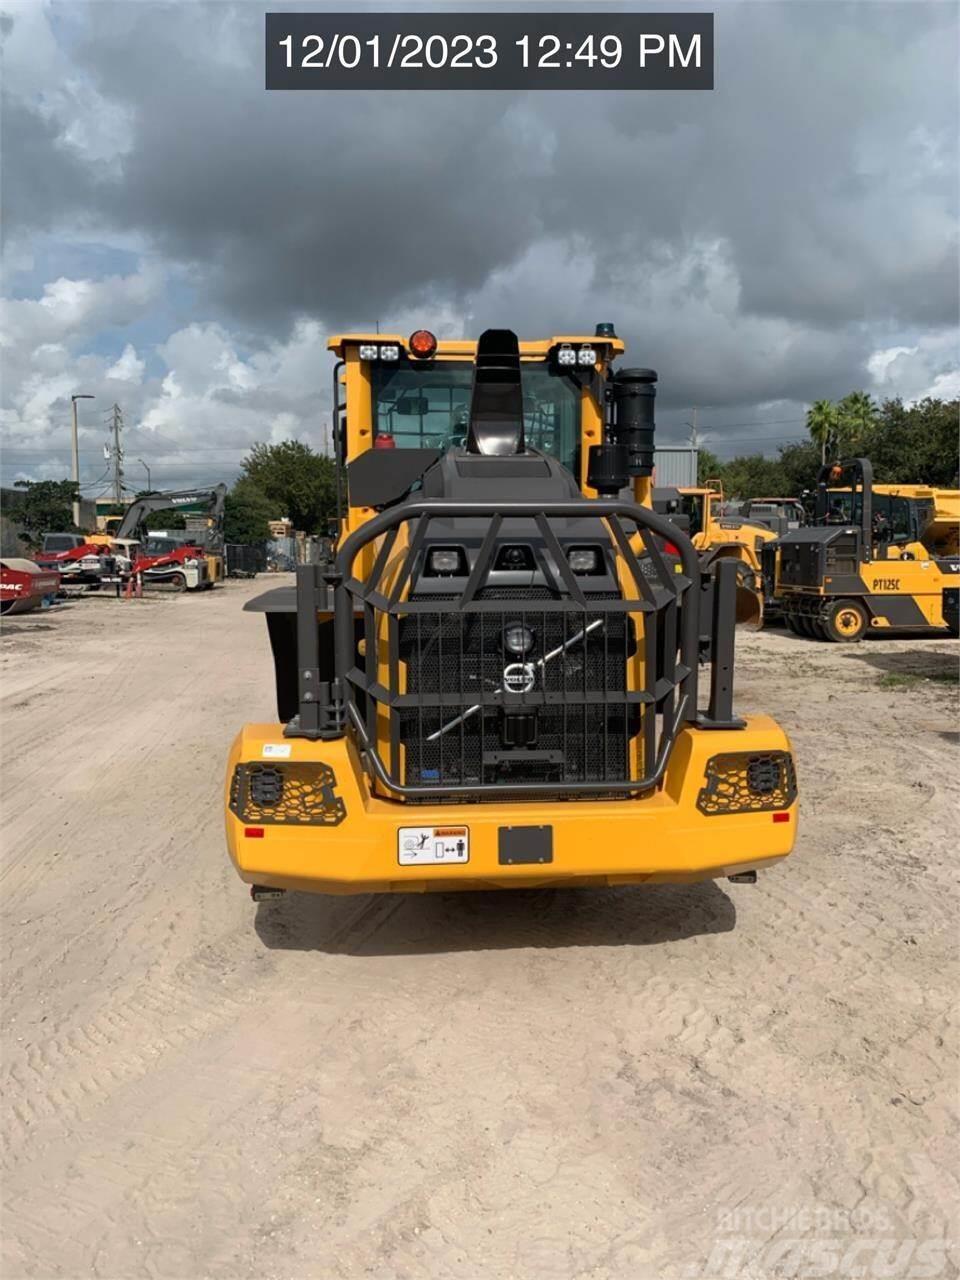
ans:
(877, 557)
(494, 681)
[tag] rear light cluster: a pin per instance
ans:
(422, 344)
(583, 356)
(452, 561)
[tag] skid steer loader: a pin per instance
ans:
(493, 682)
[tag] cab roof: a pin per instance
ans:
(451, 347)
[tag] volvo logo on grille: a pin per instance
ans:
(519, 677)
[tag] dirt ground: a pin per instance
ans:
(708, 1081)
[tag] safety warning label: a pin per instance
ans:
(421, 846)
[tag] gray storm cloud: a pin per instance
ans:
(758, 242)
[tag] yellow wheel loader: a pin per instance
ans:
(876, 558)
(718, 537)
(493, 682)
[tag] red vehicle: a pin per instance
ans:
(182, 565)
(23, 585)
(75, 559)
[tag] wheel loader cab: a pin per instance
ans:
(698, 511)
(494, 680)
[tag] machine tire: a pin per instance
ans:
(845, 621)
(178, 582)
(6, 606)
(805, 626)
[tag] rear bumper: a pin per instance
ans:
(658, 838)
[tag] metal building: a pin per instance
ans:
(675, 466)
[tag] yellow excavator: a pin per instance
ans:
(699, 510)
(877, 557)
(494, 682)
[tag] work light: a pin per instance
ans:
(583, 559)
(566, 355)
(518, 639)
(586, 356)
(389, 351)
(444, 560)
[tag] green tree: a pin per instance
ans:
(169, 518)
(917, 445)
(799, 463)
(47, 507)
(856, 424)
(246, 514)
(709, 466)
(822, 422)
(752, 476)
(298, 482)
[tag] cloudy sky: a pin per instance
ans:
(180, 241)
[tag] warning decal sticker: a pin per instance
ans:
(428, 846)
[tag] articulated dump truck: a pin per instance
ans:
(494, 680)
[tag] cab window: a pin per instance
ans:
(430, 408)
(691, 505)
(891, 518)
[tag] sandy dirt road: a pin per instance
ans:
(716, 1080)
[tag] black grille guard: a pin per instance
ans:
(371, 615)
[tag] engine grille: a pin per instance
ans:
(800, 564)
(557, 734)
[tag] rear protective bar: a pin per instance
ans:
(348, 703)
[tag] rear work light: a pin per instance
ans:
(423, 344)
(370, 351)
(586, 356)
(566, 356)
(442, 561)
(584, 559)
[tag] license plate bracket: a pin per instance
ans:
(524, 845)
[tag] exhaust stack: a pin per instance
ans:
(496, 404)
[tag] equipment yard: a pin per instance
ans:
(676, 1081)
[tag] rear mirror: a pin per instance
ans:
(412, 406)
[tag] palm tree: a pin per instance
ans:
(822, 422)
(856, 420)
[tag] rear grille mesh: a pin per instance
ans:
(562, 736)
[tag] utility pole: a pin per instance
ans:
(147, 470)
(694, 433)
(116, 452)
(76, 456)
